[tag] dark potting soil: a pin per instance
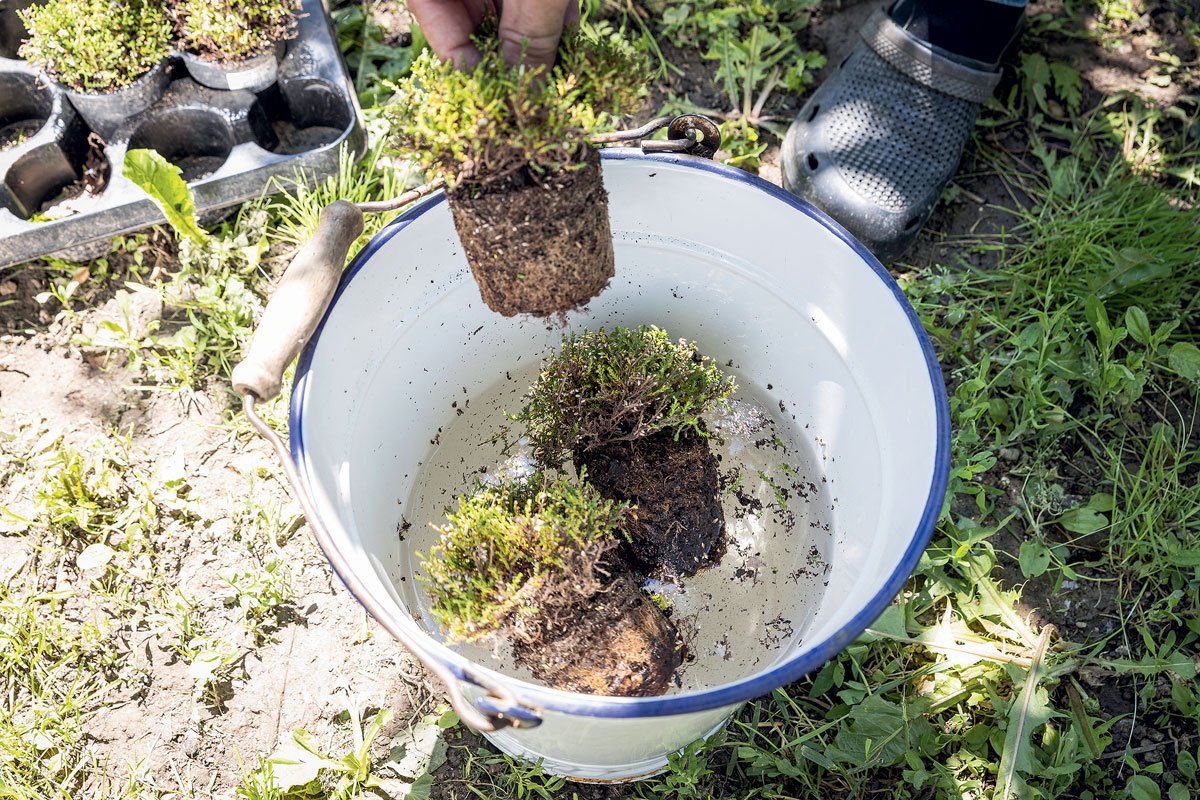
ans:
(539, 248)
(93, 181)
(679, 525)
(618, 643)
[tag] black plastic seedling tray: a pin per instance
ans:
(228, 144)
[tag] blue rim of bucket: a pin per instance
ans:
(547, 699)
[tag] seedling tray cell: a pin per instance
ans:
(61, 186)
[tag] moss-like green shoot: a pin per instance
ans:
(516, 548)
(234, 30)
(497, 124)
(619, 385)
(96, 46)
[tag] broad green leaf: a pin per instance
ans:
(94, 556)
(295, 764)
(1067, 84)
(1138, 325)
(1030, 711)
(1186, 764)
(1184, 359)
(1034, 558)
(1097, 317)
(1083, 520)
(891, 622)
(877, 732)
(162, 181)
(1185, 558)
(1178, 663)
(1177, 791)
(1132, 267)
(1141, 787)
(1037, 76)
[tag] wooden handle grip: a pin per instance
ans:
(299, 302)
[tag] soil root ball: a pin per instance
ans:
(678, 523)
(618, 644)
(539, 248)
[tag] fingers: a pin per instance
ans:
(448, 25)
(531, 29)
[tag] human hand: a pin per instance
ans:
(529, 27)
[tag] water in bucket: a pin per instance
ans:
(735, 617)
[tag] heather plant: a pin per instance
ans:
(485, 125)
(234, 30)
(96, 46)
(619, 385)
(518, 548)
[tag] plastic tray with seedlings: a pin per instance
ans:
(232, 104)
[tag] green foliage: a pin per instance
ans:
(513, 549)
(754, 44)
(259, 591)
(234, 30)
(702, 22)
(496, 124)
(375, 62)
(160, 179)
(297, 767)
(96, 46)
(618, 385)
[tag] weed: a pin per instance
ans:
(375, 63)
(96, 497)
(754, 46)
(299, 764)
(489, 125)
(295, 208)
(46, 692)
(259, 593)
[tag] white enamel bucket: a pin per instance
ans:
(710, 253)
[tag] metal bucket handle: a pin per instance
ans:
(292, 315)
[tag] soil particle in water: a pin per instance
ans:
(620, 644)
(675, 485)
(538, 248)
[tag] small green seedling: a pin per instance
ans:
(219, 30)
(96, 46)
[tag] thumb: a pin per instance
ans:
(530, 29)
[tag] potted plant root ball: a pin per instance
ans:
(231, 45)
(626, 405)
(523, 183)
(530, 562)
(108, 55)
